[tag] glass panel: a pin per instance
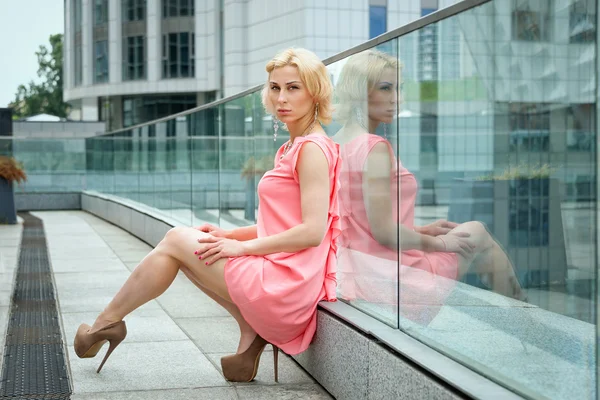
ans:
(126, 173)
(366, 93)
(509, 156)
(204, 159)
(162, 183)
(237, 167)
(147, 165)
(51, 165)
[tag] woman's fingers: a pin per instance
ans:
(208, 253)
(208, 239)
(461, 234)
(213, 258)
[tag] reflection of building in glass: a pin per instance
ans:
(515, 86)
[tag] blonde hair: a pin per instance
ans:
(358, 77)
(313, 74)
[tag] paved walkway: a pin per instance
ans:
(174, 343)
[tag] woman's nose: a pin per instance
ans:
(281, 98)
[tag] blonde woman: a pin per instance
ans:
(376, 223)
(269, 276)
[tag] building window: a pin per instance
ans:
(76, 16)
(377, 18)
(134, 62)
(531, 21)
(78, 61)
(101, 61)
(77, 47)
(137, 110)
(177, 8)
(582, 22)
(529, 126)
(100, 12)
(133, 10)
(581, 126)
(178, 55)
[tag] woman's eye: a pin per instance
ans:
(274, 88)
(293, 87)
(386, 88)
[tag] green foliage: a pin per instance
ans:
(46, 96)
(522, 171)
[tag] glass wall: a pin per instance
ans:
(468, 190)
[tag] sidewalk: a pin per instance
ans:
(174, 343)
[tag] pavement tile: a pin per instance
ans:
(282, 392)
(190, 305)
(216, 393)
(131, 256)
(289, 371)
(67, 265)
(213, 334)
(143, 325)
(145, 366)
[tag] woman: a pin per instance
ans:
(376, 223)
(269, 276)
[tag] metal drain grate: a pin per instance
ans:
(34, 365)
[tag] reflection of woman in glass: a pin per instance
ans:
(269, 276)
(378, 216)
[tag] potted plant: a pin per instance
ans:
(10, 171)
(254, 168)
(521, 208)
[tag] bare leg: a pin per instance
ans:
(489, 259)
(157, 271)
(247, 334)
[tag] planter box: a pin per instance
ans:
(524, 216)
(8, 212)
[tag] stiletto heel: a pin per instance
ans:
(275, 362)
(87, 344)
(112, 346)
(243, 367)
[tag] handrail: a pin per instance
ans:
(432, 18)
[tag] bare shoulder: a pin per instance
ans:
(311, 152)
(312, 161)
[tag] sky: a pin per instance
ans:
(24, 26)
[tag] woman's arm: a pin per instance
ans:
(377, 194)
(242, 234)
(313, 176)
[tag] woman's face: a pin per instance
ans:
(383, 98)
(288, 94)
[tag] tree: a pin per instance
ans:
(46, 96)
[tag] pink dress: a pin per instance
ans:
(278, 293)
(367, 269)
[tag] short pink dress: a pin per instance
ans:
(278, 293)
(367, 269)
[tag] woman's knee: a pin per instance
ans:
(173, 237)
(479, 234)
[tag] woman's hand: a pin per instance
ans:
(456, 242)
(216, 248)
(212, 230)
(437, 228)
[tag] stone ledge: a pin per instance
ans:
(333, 359)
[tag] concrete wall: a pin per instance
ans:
(68, 129)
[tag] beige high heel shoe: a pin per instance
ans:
(243, 367)
(87, 344)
